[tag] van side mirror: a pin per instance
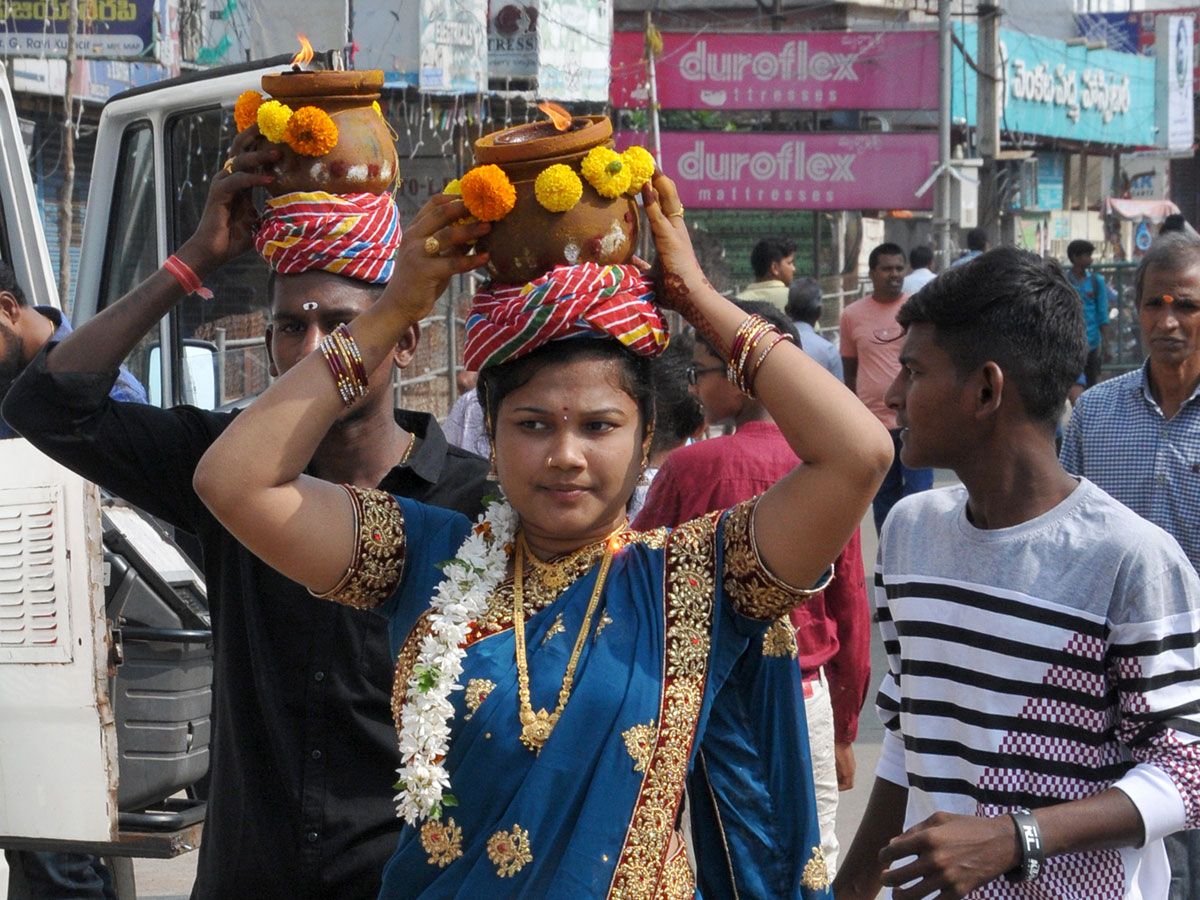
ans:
(199, 375)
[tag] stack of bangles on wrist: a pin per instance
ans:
(1033, 854)
(346, 364)
(755, 338)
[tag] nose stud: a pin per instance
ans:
(549, 462)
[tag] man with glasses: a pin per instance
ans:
(871, 342)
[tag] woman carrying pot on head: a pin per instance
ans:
(556, 671)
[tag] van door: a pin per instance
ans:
(58, 773)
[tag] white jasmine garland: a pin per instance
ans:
(460, 599)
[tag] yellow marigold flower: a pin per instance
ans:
(640, 163)
(273, 118)
(488, 193)
(245, 111)
(558, 188)
(605, 171)
(311, 132)
(454, 187)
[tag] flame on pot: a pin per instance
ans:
(304, 57)
(559, 116)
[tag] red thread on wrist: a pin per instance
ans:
(186, 277)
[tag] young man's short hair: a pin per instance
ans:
(8, 283)
(1170, 252)
(977, 239)
(767, 252)
(921, 257)
(804, 301)
(1013, 308)
(1079, 247)
(888, 249)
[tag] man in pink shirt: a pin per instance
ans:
(870, 347)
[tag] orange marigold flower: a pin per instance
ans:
(311, 131)
(245, 111)
(488, 193)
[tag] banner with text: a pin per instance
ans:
(816, 70)
(118, 29)
(731, 170)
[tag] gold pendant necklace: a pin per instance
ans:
(536, 726)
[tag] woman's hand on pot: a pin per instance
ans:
(435, 247)
(227, 225)
(676, 271)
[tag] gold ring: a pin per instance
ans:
(432, 246)
(228, 167)
(678, 212)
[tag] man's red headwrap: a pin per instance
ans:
(355, 235)
(568, 301)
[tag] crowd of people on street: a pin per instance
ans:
(612, 656)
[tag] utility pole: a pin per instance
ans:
(66, 197)
(941, 190)
(987, 122)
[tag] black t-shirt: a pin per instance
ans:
(304, 751)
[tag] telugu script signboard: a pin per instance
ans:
(1052, 89)
(720, 169)
(816, 70)
(114, 29)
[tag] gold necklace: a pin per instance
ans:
(536, 727)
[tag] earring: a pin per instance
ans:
(492, 474)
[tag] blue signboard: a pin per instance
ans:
(1051, 89)
(114, 29)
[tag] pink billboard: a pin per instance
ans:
(727, 170)
(814, 70)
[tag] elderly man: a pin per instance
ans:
(1138, 436)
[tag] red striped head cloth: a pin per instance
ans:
(355, 235)
(585, 300)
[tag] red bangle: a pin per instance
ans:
(186, 277)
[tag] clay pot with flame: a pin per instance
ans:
(364, 159)
(531, 239)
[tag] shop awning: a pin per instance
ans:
(1153, 211)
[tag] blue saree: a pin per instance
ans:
(683, 671)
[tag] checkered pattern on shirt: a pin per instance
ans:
(1119, 439)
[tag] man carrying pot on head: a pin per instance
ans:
(301, 687)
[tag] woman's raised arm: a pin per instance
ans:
(804, 521)
(252, 476)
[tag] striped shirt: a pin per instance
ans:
(1119, 439)
(1038, 664)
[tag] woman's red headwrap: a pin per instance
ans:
(568, 301)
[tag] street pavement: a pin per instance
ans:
(172, 879)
